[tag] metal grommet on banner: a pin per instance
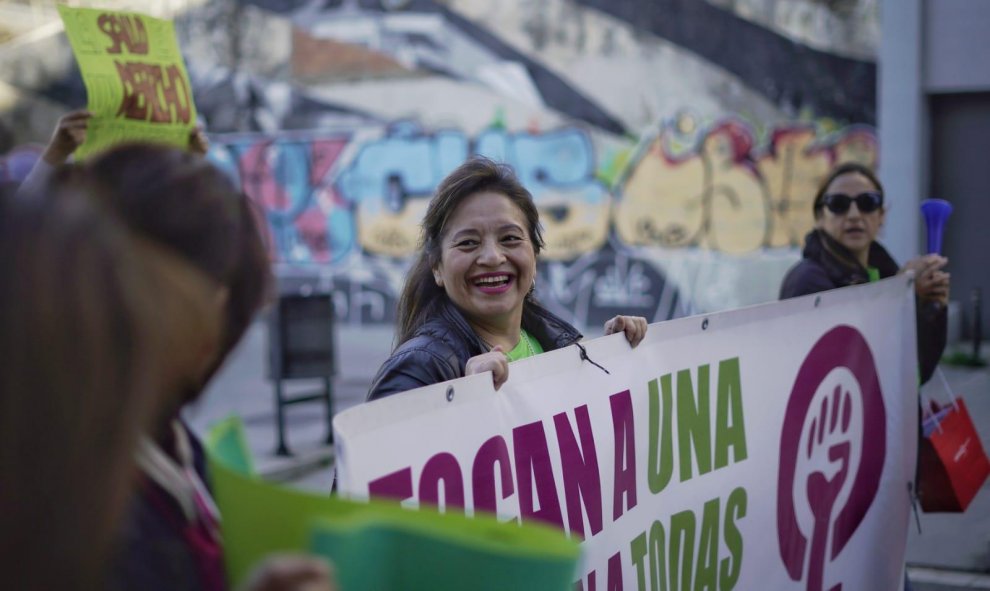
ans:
(818, 301)
(704, 324)
(450, 393)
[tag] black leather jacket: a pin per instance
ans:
(828, 265)
(439, 349)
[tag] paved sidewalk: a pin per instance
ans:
(934, 579)
(959, 541)
(950, 553)
(242, 388)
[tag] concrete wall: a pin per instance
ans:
(934, 111)
(956, 48)
(960, 173)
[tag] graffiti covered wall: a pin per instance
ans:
(671, 177)
(350, 203)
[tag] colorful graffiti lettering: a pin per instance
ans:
(308, 220)
(352, 202)
(724, 195)
(737, 207)
(558, 168)
(319, 209)
(792, 167)
(390, 182)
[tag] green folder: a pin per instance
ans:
(377, 545)
(227, 445)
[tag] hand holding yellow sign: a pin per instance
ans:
(135, 78)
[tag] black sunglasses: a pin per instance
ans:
(839, 203)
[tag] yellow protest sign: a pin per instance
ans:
(135, 78)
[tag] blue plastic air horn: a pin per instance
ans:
(936, 212)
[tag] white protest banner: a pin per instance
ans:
(770, 447)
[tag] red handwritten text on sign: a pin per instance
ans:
(154, 93)
(127, 32)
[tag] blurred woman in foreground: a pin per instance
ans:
(186, 206)
(95, 328)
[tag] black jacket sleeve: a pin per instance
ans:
(932, 326)
(414, 365)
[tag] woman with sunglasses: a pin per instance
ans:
(842, 250)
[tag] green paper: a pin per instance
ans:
(376, 551)
(228, 445)
(377, 545)
(136, 82)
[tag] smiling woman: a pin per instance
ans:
(467, 306)
(488, 265)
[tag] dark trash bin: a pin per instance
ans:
(301, 346)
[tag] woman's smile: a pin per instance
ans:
(493, 283)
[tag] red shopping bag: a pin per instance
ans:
(952, 464)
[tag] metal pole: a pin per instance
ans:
(977, 323)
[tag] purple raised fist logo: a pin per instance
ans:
(832, 450)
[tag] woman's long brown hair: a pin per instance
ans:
(94, 326)
(189, 207)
